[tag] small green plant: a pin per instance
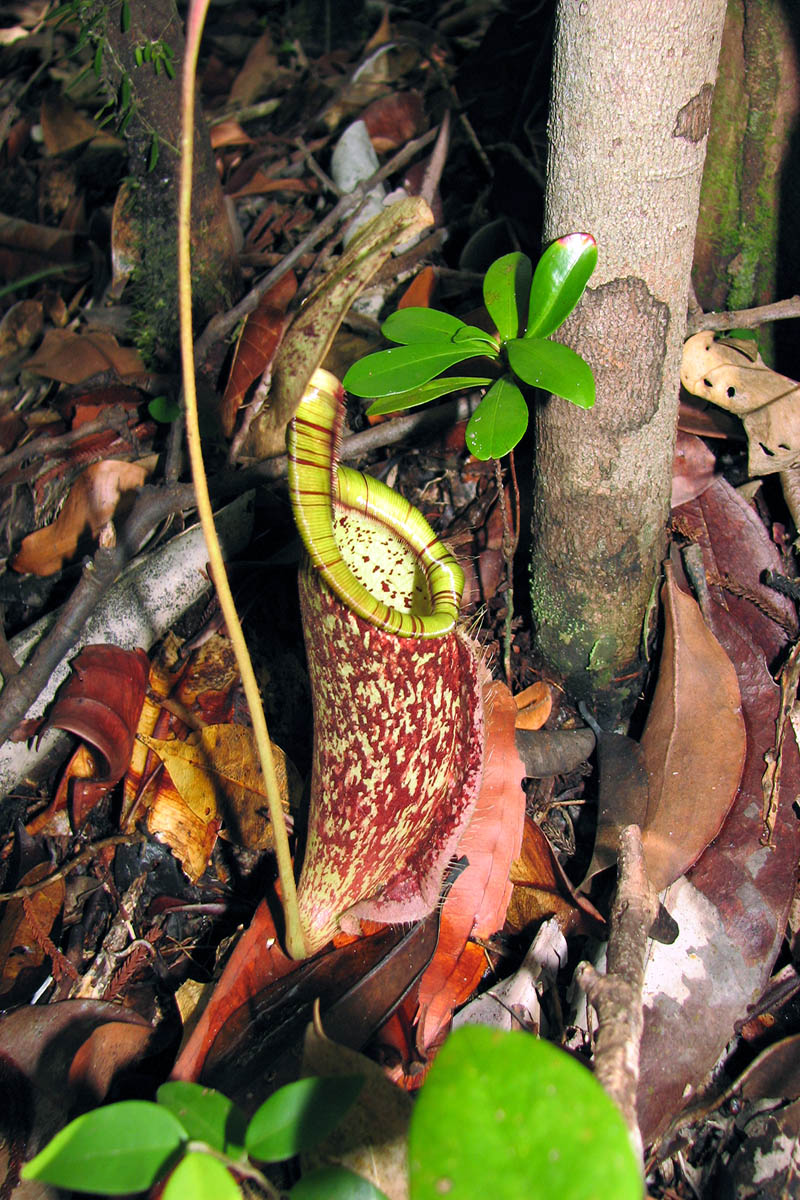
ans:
(526, 309)
(505, 1115)
(201, 1143)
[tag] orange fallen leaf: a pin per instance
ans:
(534, 705)
(419, 292)
(98, 494)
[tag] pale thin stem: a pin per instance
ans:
(295, 942)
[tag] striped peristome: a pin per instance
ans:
(319, 487)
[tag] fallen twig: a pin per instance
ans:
(617, 995)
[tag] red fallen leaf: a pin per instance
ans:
(258, 341)
(693, 743)
(101, 702)
(706, 420)
(256, 962)
(476, 903)
(94, 498)
(393, 120)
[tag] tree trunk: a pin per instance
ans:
(749, 208)
(629, 115)
(153, 136)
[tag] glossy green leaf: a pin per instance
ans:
(299, 1116)
(512, 1117)
(498, 422)
(559, 281)
(335, 1183)
(405, 367)
(552, 367)
(474, 334)
(421, 395)
(201, 1177)
(410, 325)
(206, 1115)
(506, 288)
(122, 1148)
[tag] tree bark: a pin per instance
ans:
(155, 118)
(629, 115)
(749, 211)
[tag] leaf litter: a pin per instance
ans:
(719, 831)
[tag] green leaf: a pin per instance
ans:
(125, 21)
(335, 1183)
(200, 1177)
(552, 367)
(122, 1148)
(299, 1116)
(509, 1116)
(405, 367)
(410, 325)
(428, 391)
(498, 422)
(206, 1115)
(506, 287)
(473, 333)
(558, 282)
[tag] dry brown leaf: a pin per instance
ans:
(735, 378)
(20, 327)
(393, 120)
(229, 133)
(217, 772)
(694, 741)
(93, 500)
(372, 1138)
(64, 127)
(26, 923)
(259, 74)
(74, 357)
(542, 890)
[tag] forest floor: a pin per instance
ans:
(134, 850)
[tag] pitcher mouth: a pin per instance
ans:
(390, 569)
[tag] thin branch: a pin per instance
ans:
(744, 318)
(85, 855)
(114, 418)
(617, 995)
